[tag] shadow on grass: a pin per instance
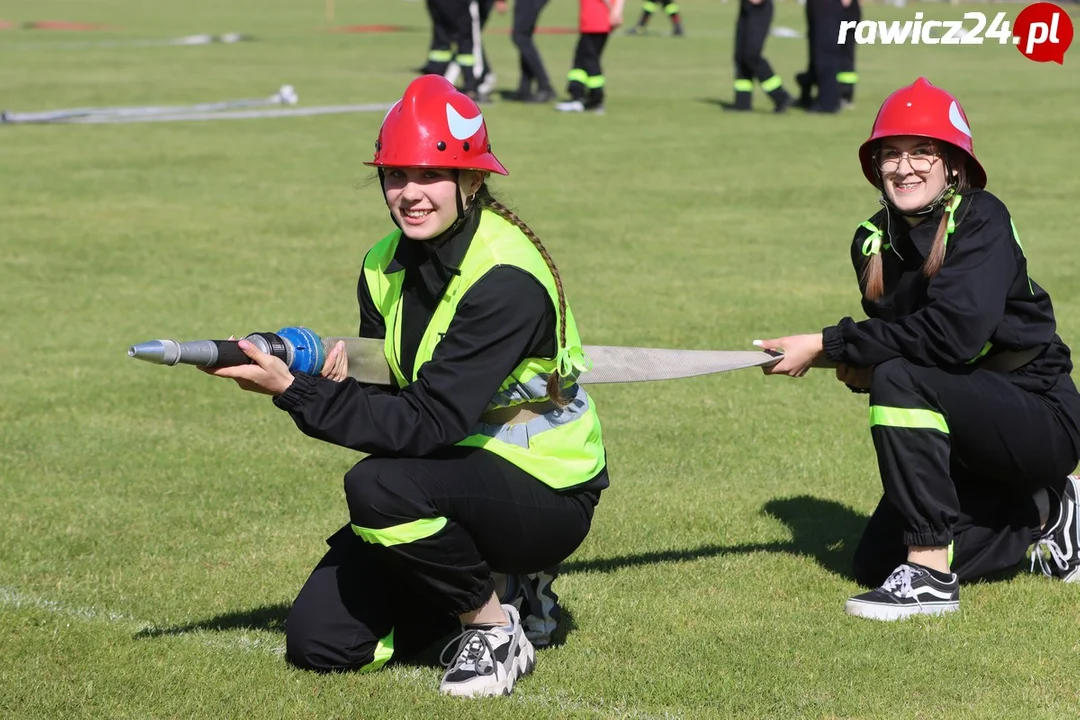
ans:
(269, 617)
(820, 529)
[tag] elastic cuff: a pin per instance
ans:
(927, 539)
(301, 390)
(834, 344)
(477, 601)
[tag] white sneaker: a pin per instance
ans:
(910, 590)
(487, 660)
(1060, 544)
(570, 106)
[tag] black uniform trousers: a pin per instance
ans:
(370, 601)
(648, 7)
(751, 31)
(823, 18)
(587, 77)
(846, 75)
(458, 23)
(960, 454)
(526, 15)
(442, 36)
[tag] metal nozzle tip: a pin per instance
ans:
(160, 352)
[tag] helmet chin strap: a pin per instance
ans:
(382, 184)
(942, 197)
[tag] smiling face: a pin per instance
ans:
(424, 201)
(912, 171)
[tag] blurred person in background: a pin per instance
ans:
(534, 85)
(671, 9)
(823, 18)
(847, 76)
(457, 50)
(596, 20)
(751, 31)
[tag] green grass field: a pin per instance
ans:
(157, 523)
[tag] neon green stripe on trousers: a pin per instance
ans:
(401, 534)
(907, 418)
(383, 652)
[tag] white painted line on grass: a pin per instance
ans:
(544, 698)
(15, 599)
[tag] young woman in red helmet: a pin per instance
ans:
(973, 413)
(485, 458)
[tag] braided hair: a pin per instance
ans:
(484, 200)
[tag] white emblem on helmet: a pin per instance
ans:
(460, 127)
(957, 119)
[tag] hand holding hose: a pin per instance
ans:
(800, 353)
(266, 374)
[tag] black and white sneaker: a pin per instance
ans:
(910, 590)
(1058, 550)
(487, 661)
(536, 601)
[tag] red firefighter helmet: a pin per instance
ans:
(433, 125)
(926, 111)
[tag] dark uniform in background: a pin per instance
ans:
(751, 31)
(847, 77)
(586, 79)
(458, 24)
(526, 14)
(823, 18)
(440, 54)
(649, 7)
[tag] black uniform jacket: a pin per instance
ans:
(982, 293)
(503, 318)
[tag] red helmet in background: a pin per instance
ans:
(433, 125)
(926, 111)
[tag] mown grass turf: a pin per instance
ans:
(157, 522)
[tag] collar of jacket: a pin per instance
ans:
(439, 259)
(922, 235)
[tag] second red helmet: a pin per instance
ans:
(926, 111)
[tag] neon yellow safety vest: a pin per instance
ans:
(561, 448)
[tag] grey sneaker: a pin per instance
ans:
(535, 599)
(487, 661)
(1060, 544)
(910, 590)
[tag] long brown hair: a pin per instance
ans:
(872, 274)
(484, 200)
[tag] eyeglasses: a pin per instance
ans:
(921, 159)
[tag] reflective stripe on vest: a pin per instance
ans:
(519, 433)
(562, 448)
